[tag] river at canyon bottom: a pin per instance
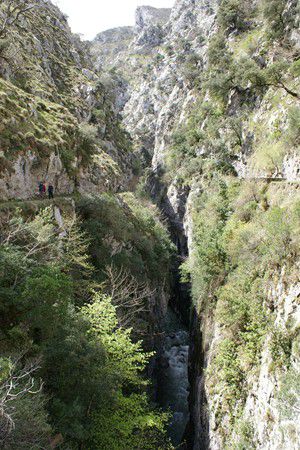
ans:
(172, 380)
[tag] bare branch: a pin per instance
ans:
(18, 383)
(130, 296)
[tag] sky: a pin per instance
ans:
(89, 17)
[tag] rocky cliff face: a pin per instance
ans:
(233, 126)
(209, 93)
(109, 46)
(58, 123)
(149, 26)
(159, 92)
(265, 417)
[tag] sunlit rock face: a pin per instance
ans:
(160, 94)
(150, 26)
(147, 15)
(109, 46)
(51, 95)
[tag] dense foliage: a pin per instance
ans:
(245, 234)
(142, 244)
(69, 371)
(76, 301)
(241, 242)
(246, 67)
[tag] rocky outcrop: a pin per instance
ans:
(149, 29)
(147, 16)
(109, 46)
(269, 415)
(155, 87)
(58, 122)
(264, 410)
(160, 97)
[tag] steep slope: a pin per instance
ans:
(84, 277)
(217, 115)
(208, 94)
(58, 121)
(159, 88)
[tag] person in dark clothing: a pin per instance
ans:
(41, 188)
(50, 191)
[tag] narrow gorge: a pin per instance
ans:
(154, 302)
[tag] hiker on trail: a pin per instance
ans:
(50, 191)
(42, 188)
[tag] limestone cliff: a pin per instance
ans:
(159, 90)
(207, 95)
(214, 106)
(58, 122)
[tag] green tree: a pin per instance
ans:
(232, 15)
(76, 380)
(128, 422)
(125, 357)
(273, 13)
(47, 296)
